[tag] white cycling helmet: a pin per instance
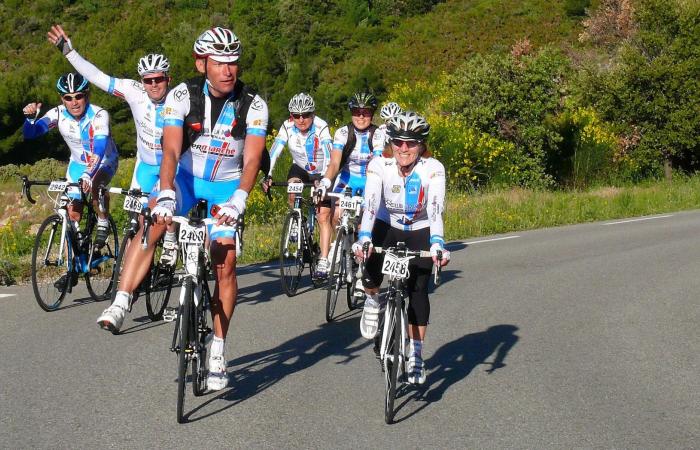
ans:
(219, 44)
(390, 110)
(153, 63)
(408, 126)
(301, 103)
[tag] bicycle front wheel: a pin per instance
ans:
(336, 277)
(199, 372)
(392, 363)
(291, 254)
(351, 290)
(102, 262)
(51, 268)
(157, 287)
(184, 348)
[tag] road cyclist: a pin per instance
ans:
(404, 202)
(309, 141)
(213, 137)
(146, 99)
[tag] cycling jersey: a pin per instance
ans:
(411, 203)
(148, 116)
(310, 150)
(88, 138)
(355, 170)
(215, 155)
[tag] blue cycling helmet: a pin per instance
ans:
(71, 82)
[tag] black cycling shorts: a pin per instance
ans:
(383, 235)
(298, 172)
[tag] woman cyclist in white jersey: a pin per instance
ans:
(404, 202)
(309, 141)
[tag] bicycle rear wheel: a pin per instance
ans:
(336, 277)
(392, 363)
(291, 256)
(158, 286)
(184, 349)
(51, 270)
(102, 263)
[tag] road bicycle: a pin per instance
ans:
(394, 338)
(157, 283)
(62, 250)
(191, 325)
(344, 269)
(298, 242)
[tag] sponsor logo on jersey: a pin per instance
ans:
(257, 104)
(168, 110)
(180, 94)
(257, 122)
(395, 189)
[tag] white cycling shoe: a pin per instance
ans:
(369, 323)
(416, 370)
(112, 318)
(323, 266)
(217, 379)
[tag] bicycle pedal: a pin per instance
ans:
(169, 314)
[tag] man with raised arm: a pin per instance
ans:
(146, 99)
(215, 129)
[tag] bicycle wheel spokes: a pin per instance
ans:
(291, 254)
(336, 277)
(102, 262)
(51, 264)
(392, 363)
(157, 286)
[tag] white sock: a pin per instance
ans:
(122, 299)
(217, 346)
(170, 236)
(102, 222)
(416, 347)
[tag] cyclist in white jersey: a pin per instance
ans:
(404, 202)
(219, 163)
(309, 142)
(85, 129)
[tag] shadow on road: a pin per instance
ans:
(264, 291)
(254, 373)
(454, 361)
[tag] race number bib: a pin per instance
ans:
(132, 204)
(58, 186)
(191, 235)
(295, 188)
(395, 267)
(349, 203)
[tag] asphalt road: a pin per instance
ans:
(575, 337)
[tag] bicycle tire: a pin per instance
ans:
(199, 372)
(291, 258)
(352, 301)
(119, 264)
(183, 349)
(157, 287)
(47, 295)
(336, 275)
(392, 371)
(102, 262)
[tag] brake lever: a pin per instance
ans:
(437, 279)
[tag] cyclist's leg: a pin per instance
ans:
(372, 277)
(75, 208)
(102, 177)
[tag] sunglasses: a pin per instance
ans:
(154, 80)
(228, 48)
(70, 98)
(305, 115)
(398, 143)
(362, 112)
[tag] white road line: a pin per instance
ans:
(7, 295)
(638, 220)
(491, 240)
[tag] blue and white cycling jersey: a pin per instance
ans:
(310, 150)
(355, 170)
(148, 116)
(406, 203)
(88, 138)
(215, 155)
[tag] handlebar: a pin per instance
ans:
(401, 251)
(27, 185)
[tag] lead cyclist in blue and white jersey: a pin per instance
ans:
(404, 202)
(85, 128)
(309, 142)
(219, 163)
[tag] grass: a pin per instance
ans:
(468, 215)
